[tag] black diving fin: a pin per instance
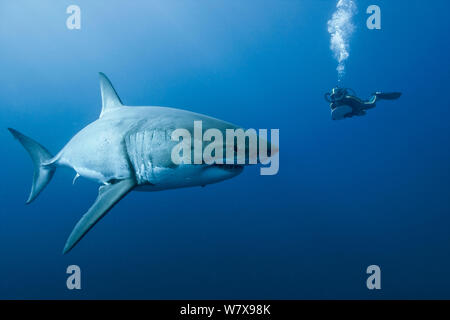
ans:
(388, 95)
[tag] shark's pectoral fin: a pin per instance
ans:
(108, 196)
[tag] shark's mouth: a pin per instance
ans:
(229, 167)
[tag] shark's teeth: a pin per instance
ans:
(228, 166)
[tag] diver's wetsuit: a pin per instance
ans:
(340, 97)
(358, 106)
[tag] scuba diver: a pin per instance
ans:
(345, 104)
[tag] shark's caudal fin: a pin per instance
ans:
(107, 197)
(43, 173)
(110, 99)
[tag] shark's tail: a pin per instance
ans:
(43, 172)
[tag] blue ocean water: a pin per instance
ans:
(367, 190)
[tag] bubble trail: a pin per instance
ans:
(341, 27)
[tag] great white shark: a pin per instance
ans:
(126, 148)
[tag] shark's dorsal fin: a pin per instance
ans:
(110, 99)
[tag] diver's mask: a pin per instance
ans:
(337, 94)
